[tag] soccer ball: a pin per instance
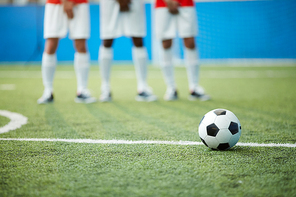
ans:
(219, 129)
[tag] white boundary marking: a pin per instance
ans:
(7, 86)
(16, 121)
(90, 141)
(216, 74)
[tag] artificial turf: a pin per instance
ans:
(263, 98)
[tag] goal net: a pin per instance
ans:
(239, 31)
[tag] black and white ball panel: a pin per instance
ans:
(219, 129)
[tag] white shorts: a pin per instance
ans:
(168, 26)
(57, 24)
(114, 24)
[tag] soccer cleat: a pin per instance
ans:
(106, 96)
(47, 97)
(85, 97)
(171, 95)
(198, 94)
(146, 96)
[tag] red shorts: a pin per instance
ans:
(60, 2)
(183, 3)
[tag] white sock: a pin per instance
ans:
(192, 66)
(81, 66)
(48, 66)
(105, 61)
(140, 61)
(168, 68)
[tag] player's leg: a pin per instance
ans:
(187, 28)
(134, 26)
(139, 54)
(105, 62)
(191, 62)
(48, 66)
(165, 29)
(168, 70)
(140, 58)
(79, 31)
(82, 66)
(110, 28)
(192, 66)
(55, 27)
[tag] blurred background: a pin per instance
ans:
(229, 32)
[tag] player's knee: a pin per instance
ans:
(189, 43)
(167, 44)
(138, 42)
(51, 45)
(81, 49)
(108, 43)
(80, 45)
(50, 51)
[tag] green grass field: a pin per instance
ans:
(263, 98)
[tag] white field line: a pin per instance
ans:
(7, 86)
(215, 74)
(16, 121)
(90, 141)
